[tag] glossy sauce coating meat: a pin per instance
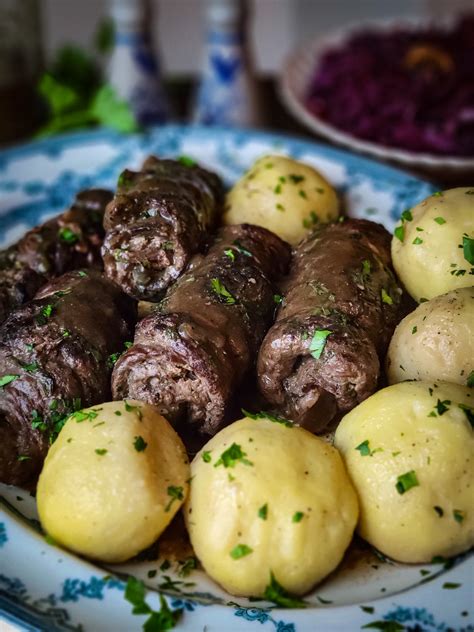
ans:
(341, 304)
(55, 358)
(189, 357)
(69, 241)
(159, 218)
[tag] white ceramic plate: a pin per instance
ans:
(45, 588)
(298, 71)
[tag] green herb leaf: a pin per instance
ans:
(458, 515)
(414, 329)
(206, 456)
(232, 456)
(451, 585)
(318, 342)
(468, 249)
(469, 412)
(407, 216)
(417, 241)
(23, 457)
(406, 481)
(133, 409)
(277, 594)
(108, 109)
(366, 267)
(222, 292)
(438, 194)
(240, 550)
(7, 379)
(295, 179)
(399, 232)
(277, 298)
(139, 444)
(67, 235)
(442, 407)
(470, 380)
(297, 516)
(440, 220)
(263, 512)
(175, 493)
(241, 249)
(101, 451)
(439, 511)
(187, 161)
(364, 448)
(230, 253)
(264, 415)
(386, 298)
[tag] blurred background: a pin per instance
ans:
(68, 65)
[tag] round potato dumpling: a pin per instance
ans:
(409, 451)
(283, 195)
(436, 341)
(112, 481)
(433, 247)
(269, 503)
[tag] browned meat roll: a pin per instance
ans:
(189, 357)
(341, 304)
(69, 241)
(55, 354)
(159, 218)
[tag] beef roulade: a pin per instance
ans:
(158, 220)
(55, 357)
(69, 241)
(190, 355)
(341, 304)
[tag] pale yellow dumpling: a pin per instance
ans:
(433, 247)
(266, 498)
(409, 450)
(112, 481)
(435, 341)
(283, 195)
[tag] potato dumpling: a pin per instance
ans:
(283, 195)
(112, 481)
(409, 451)
(433, 247)
(436, 341)
(268, 498)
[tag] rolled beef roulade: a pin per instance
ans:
(69, 241)
(341, 303)
(56, 357)
(159, 218)
(189, 356)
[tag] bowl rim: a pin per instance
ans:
(308, 55)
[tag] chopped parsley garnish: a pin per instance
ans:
(7, 379)
(302, 194)
(440, 220)
(277, 189)
(451, 585)
(23, 457)
(407, 215)
(232, 456)
(206, 456)
(399, 232)
(295, 178)
(230, 253)
(280, 207)
(175, 493)
(240, 550)
(458, 515)
(66, 333)
(187, 161)
(263, 512)
(442, 407)
(386, 298)
(297, 516)
(311, 220)
(82, 274)
(67, 235)
(139, 443)
(151, 573)
(277, 298)
(118, 413)
(438, 194)
(158, 620)
(439, 511)
(276, 593)
(133, 409)
(417, 241)
(45, 313)
(470, 380)
(165, 566)
(264, 415)
(406, 481)
(364, 448)
(468, 249)
(82, 415)
(366, 267)
(37, 422)
(187, 566)
(222, 292)
(100, 451)
(318, 342)
(112, 359)
(241, 249)
(414, 329)
(127, 344)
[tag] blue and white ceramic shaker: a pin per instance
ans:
(133, 67)
(227, 93)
